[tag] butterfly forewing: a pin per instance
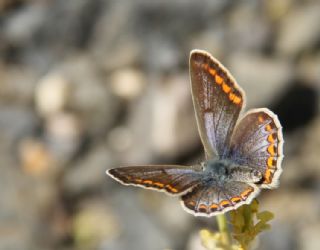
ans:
(173, 179)
(257, 142)
(217, 100)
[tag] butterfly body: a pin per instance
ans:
(243, 155)
(226, 170)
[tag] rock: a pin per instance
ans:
(130, 230)
(211, 41)
(177, 222)
(290, 215)
(91, 98)
(174, 128)
(167, 53)
(302, 166)
(309, 70)
(166, 118)
(88, 172)
(17, 84)
(281, 236)
(127, 83)
(35, 158)
(120, 139)
(297, 31)
(78, 85)
(23, 228)
(16, 122)
(111, 49)
(247, 29)
(263, 79)
(52, 93)
(309, 236)
(21, 26)
(63, 135)
(276, 10)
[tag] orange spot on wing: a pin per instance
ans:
(171, 189)
(271, 139)
(270, 162)
(269, 128)
(148, 182)
(225, 203)
(231, 96)
(237, 100)
(226, 88)
(212, 71)
(271, 150)
(191, 203)
(138, 180)
(235, 199)
(202, 206)
(268, 176)
(214, 207)
(218, 79)
(260, 119)
(246, 193)
(158, 184)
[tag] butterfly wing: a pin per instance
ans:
(257, 142)
(172, 179)
(209, 200)
(217, 100)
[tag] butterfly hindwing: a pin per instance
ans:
(217, 100)
(257, 142)
(173, 179)
(208, 200)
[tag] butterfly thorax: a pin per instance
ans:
(226, 170)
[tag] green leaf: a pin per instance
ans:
(265, 216)
(248, 222)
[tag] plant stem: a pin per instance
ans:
(224, 230)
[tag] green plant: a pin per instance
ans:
(245, 224)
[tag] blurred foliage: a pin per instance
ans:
(246, 223)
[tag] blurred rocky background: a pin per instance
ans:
(87, 85)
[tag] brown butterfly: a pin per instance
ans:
(242, 155)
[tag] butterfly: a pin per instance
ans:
(243, 155)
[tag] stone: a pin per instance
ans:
(21, 26)
(127, 83)
(309, 236)
(51, 94)
(262, 78)
(17, 83)
(308, 70)
(297, 30)
(88, 172)
(211, 41)
(63, 135)
(247, 29)
(35, 157)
